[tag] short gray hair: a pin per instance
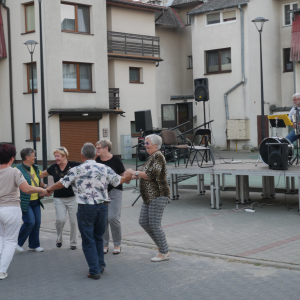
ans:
(105, 143)
(297, 96)
(155, 140)
(26, 152)
(88, 151)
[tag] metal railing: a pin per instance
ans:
(132, 44)
(114, 98)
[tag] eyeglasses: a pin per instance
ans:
(98, 148)
(147, 143)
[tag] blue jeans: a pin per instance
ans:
(92, 221)
(31, 225)
(292, 136)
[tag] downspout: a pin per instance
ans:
(243, 70)
(10, 74)
(294, 71)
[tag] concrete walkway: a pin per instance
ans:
(270, 236)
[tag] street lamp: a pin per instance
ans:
(31, 47)
(259, 24)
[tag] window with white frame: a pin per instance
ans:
(221, 17)
(287, 16)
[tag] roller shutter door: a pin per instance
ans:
(73, 134)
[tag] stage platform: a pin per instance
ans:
(241, 170)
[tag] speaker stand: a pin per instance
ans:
(297, 157)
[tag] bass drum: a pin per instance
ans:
(263, 147)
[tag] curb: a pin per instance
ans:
(228, 258)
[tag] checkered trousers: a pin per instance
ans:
(150, 220)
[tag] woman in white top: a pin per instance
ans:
(11, 180)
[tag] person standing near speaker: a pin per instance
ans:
(296, 100)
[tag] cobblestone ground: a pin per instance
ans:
(61, 274)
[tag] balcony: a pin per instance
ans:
(133, 46)
(114, 98)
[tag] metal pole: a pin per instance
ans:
(33, 109)
(43, 106)
(262, 92)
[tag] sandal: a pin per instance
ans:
(105, 250)
(117, 251)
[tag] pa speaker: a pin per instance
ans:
(201, 89)
(278, 156)
(143, 120)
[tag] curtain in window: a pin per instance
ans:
(213, 18)
(85, 77)
(213, 62)
(134, 75)
(226, 60)
(83, 18)
(70, 76)
(34, 77)
(67, 17)
(30, 23)
(229, 16)
(168, 113)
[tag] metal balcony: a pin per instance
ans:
(133, 44)
(114, 98)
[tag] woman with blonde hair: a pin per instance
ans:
(64, 199)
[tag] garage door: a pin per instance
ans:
(73, 134)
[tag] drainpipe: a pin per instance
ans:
(10, 74)
(294, 71)
(243, 70)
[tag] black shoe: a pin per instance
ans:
(58, 245)
(102, 270)
(93, 276)
(73, 247)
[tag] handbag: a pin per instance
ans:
(32, 178)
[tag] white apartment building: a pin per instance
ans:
(98, 73)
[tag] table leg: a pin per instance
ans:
(199, 184)
(217, 188)
(212, 191)
(171, 187)
(223, 183)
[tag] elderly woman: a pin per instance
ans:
(103, 148)
(10, 213)
(64, 199)
(155, 192)
(30, 204)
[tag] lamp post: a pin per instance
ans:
(43, 106)
(259, 24)
(31, 47)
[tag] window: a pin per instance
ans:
(134, 75)
(134, 133)
(218, 61)
(188, 20)
(29, 78)
(221, 17)
(29, 18)
(77, 77)
(75, 18)
(287, 64)
(287, 17)
(190, 62)
(37, 131)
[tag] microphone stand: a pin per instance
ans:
(297, 157)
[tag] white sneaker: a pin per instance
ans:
(19, 248)
(161, 257)
(3, 275)
(38, 249)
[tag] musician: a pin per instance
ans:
(292, 135)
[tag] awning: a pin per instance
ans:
(295, 44)
(83, 111)
(2, 40)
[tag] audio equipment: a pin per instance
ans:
(201, 89)
(143, 120)
(278, 156)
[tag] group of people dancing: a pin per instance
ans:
(90, 192)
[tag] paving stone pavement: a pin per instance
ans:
(61, 274)
(271, 234)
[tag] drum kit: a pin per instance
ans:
(264, 145)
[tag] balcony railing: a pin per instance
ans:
(133, 44)
(114, 98)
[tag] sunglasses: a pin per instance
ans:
(61, 149)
